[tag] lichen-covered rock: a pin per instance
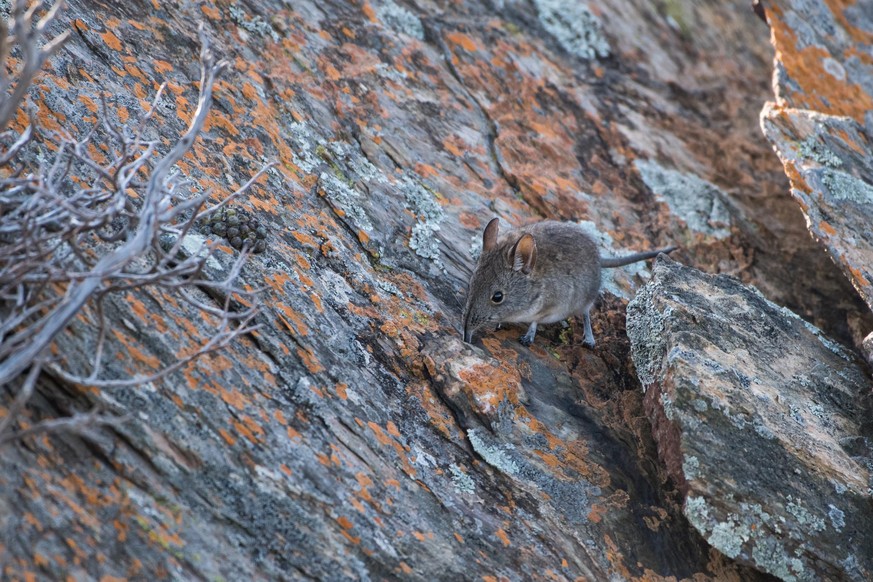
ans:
(821, 125)
(351, 436)
(761, 421)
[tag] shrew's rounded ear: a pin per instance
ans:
(489, 237)
(524, 254)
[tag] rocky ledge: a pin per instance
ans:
(761, 420)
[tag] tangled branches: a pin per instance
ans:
(76, 228)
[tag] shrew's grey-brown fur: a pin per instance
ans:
(540, 273)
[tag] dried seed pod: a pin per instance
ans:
(236, 242)
(260, 246)
(261, 232)
(232, 232)
(219, 228)
(244, 229)
(233, 220)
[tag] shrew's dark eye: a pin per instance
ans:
(497, 298)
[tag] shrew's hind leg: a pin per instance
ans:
(589, 335)
(528, 338)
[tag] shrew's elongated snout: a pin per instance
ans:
(468, 329)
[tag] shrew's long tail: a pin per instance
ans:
(621, 261)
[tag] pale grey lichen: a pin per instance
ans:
(313, 154)
(805, 519)
(429, 214)
(771, 557)
(811, 148)
(342, 154)
(729, 536)
(495, 455)
(574, 26)
(843, 186)
(837, 517)
(345, 198)
(476, 246)
(462, 482)
(764, 431)
(690, 466)
(401, 20)
(699, 203)
(304, 142)
(645, 329)
(392, 74)
(255, 25)
(667, 406)
(388, 287)
(697, 512)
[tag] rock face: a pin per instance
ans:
(760, 420)
(821, 125)
(352, 436)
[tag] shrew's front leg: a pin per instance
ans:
(589, 335)
(528, 338)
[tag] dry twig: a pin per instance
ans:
(75, 230)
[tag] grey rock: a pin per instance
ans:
(766, 473)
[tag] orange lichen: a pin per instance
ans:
(292, 320)
(450, 146)
(462, 40)
(820, 90)
(379, 433)
(123, 528)
(111, 40)
(827, 228)
(249, 429)
(503, 537)
(134, 352)
(596, 514)
(233, 397)
(310, 361)
(210, 12)
(88, 103)
(227, 437)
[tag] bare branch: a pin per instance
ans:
(21, 399)
(78, 424)
(75, 231)
(33, 56)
